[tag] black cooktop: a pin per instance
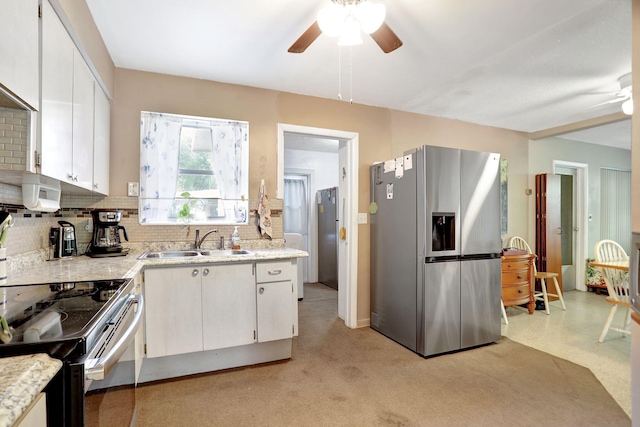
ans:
(51, 316)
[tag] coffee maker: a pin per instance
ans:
(106, 234)
(63, 240)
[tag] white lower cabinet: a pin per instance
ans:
(228, 306)
(276, 299)
(201, 308)
(173, 312)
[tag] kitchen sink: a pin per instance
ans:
(168, 254)
(192, 253)
(225, 252)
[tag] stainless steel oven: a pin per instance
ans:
(90, 326)
(634, 272)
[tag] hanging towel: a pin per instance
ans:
(264, 212)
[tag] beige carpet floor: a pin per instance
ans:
(343, 377)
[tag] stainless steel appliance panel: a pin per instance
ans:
(480, 295)
(442, 181)
(394, 255)
(328, 236)
(441, 316)
(480, 203)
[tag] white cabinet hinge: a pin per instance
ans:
(39, 11)
(254, 335)
(37, 158)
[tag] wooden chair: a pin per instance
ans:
(543, 276)
(617, 282)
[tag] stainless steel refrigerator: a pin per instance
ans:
(435, 249)
(327, 201)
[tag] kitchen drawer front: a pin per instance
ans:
(276, 271)
(515, 265)
(512, 277)
(512, 293)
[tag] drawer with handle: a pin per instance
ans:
(516, 293)
(276, 271)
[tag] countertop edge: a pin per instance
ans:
(22, 378)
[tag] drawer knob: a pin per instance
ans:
(519, 291)
(519, 277)
(261, 291)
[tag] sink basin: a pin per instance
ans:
(168, 254)
(225, 252)
(192, 253)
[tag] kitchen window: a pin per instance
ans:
(193, 170)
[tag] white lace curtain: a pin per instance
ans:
(159, 152)
(295, 206)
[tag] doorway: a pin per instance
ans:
(347, 149)
(574, 219)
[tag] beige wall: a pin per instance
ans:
(383, 134)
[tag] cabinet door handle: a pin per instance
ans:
(274, 272)
(205, 272)
(194, 273)
(261, 290)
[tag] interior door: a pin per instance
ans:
(548, 226)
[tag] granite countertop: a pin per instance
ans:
(86, 268)
(22, 378)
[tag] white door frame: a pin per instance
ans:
(582, 219)
(348, 248)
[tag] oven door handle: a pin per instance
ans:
(98, 369)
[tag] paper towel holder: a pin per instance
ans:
(40, 193)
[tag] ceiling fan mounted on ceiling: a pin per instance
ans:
(345, 18)
(624, 95)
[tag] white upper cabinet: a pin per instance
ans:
(56, 126)
(101, 144)
(74, 118)
(82, 136)
(19, 67)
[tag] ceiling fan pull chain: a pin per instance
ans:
(339, 73)
(350, 75)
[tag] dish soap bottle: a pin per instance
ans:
(235, 239)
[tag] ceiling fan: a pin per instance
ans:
(624, 95)
(345, 18)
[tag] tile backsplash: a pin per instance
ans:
(13, 139)
(31, 229)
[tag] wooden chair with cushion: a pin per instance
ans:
(543, 276)
(617, 281)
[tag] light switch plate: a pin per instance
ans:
(362, 218)
(132, 189)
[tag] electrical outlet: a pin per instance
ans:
(132, 189)
(362, 218)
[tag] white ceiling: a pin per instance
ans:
(526, 65)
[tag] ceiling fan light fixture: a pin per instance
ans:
(627, 107)
(331, 19)
(370, 15)
(350, 35)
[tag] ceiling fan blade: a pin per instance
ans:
(386, 38)
(306, 38)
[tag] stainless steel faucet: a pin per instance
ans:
(199, 241)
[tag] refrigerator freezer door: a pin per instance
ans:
(480, 203)
(394, 280)
(440, 319)
(480, 291)
(442, 188)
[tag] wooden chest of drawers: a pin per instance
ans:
(517, 281)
